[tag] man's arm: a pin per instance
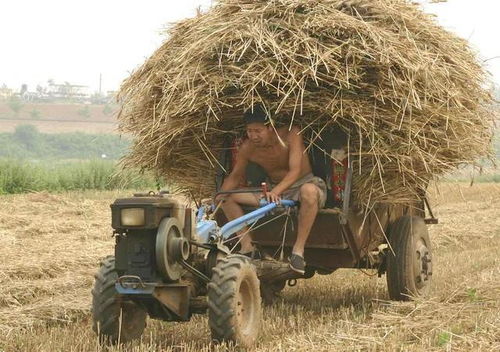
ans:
(296, 145)
(232, 181)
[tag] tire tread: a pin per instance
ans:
(221, 293)
(106, 308)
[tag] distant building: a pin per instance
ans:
(68, 91)
(5, 93)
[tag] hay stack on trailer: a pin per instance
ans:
(411, 96)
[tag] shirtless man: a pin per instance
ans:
(289, 172)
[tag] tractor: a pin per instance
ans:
(172, 261)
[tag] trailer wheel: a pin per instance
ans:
(114, 320)
(234, 303)
(409, 268)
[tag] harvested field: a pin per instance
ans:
(52, 245)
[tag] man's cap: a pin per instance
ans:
(257, 113)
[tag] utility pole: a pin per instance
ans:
(100, 83)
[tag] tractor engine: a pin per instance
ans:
(152, 236)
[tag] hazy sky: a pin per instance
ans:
(74, 41)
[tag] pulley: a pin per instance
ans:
(171, 248)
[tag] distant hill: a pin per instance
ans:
(56, 118)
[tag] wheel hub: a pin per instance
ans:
(424, 264)
(244, 309)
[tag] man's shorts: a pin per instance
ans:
(293, 192)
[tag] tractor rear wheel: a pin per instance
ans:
(409, 259)
(234, 303)
(114, 320)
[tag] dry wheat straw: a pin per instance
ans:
(410, 94)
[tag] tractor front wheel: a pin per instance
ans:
(234, 303)
(114, 320)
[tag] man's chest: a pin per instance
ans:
(271, 159)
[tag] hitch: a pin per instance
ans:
(131, 281)
(432, 220)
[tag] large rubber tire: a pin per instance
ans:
(234, 303)
(108, 311)
(409, 268)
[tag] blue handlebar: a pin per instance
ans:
(205, 227)
(247, 219)
(287, 203)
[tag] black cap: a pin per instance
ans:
(257, 115)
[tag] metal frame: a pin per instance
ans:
(209, 231)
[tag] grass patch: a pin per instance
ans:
(28, 143)
(25, 176)
(443, 338)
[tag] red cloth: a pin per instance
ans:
(339, 174)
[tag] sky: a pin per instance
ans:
(76, 41)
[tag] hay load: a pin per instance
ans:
(410, 95)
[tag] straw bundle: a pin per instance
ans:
(410, 95)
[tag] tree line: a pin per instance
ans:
(28, 143)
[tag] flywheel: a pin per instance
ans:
(171, 248)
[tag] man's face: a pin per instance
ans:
(258, 133)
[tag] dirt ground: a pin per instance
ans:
(51, 246)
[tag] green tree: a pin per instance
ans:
(84, 112)
(107, 110)
(27, 135)
(35, 114)
(15, 104)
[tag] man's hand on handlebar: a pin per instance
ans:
(272, 197)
